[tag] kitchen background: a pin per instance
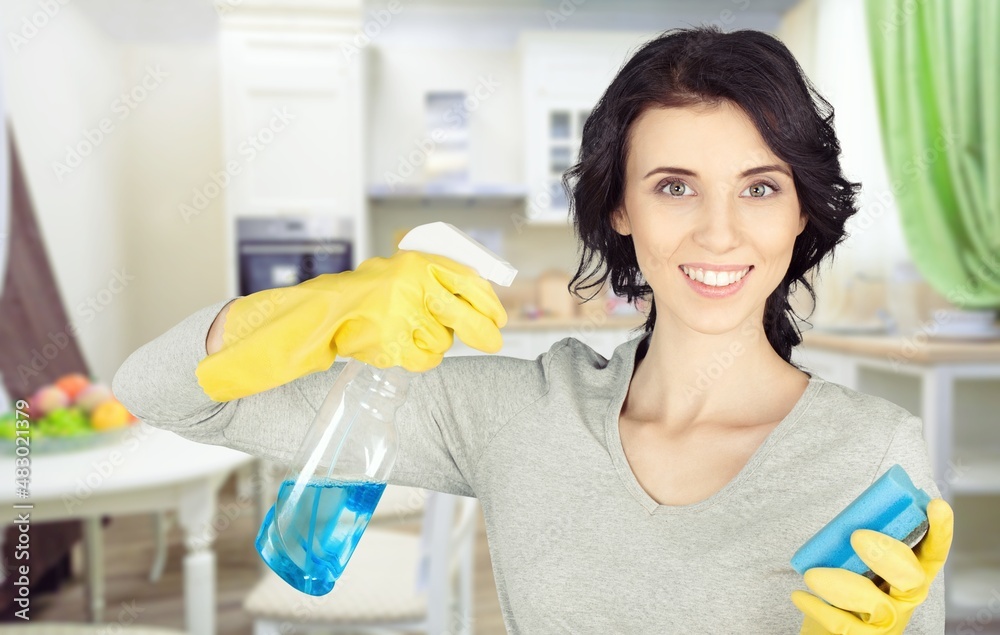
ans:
(168, 147)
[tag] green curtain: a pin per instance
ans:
(937, 82)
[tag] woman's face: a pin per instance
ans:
(703, 191)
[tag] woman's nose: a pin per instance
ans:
(718, 227)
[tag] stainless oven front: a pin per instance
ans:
(284, 251)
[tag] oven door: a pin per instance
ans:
(270, 264)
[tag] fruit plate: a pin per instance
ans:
(56, 445)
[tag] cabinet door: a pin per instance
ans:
(556, 151)
(563, 77)
(293, 123)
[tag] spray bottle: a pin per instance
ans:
(341, 468)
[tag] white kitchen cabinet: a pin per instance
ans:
(292, 112)
(955, 388)
(562, 77)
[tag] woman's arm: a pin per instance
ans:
(451, 412)
(214, 340)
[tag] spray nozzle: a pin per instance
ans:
(444, 239)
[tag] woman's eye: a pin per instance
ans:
(676, 189)
(757, 190)
(680, 189)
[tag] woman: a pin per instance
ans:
(663, 490)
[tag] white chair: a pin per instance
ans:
(378, 592)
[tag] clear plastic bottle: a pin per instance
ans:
(338, 476)
(343, 463)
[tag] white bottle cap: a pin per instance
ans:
(444, 239)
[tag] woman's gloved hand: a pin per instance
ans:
(858, 607)
(396, 311)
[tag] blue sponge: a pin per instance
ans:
(891, 505)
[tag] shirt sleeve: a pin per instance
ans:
(908, 449)
(450, 415)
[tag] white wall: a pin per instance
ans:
(61, 81)
(173, 147)
(117, 212)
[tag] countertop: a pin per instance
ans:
(918, 348)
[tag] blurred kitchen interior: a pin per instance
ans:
(173, 145)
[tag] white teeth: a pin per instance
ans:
(714, 278)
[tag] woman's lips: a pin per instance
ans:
(709, 291)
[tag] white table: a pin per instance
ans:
(150, 470)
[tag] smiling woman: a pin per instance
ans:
(739, 222)
(709, 184)
(663, 490)
(738, 105)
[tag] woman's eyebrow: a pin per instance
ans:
(757, 170)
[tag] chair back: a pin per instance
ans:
(444, 540)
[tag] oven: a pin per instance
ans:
(284, 251)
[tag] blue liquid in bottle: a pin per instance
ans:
(312, 548)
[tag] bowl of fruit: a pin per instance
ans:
(71, 414)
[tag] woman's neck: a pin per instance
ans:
(688, 377)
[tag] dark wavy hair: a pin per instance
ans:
(706, 66)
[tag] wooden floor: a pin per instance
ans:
(128, 556)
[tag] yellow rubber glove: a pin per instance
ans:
(396, 311)
(858, 607)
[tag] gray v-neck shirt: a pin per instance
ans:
(577, 545)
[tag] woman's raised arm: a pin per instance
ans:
(451, 412)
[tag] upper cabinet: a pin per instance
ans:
(293, 116)
(563, 76)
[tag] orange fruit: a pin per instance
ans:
(110, 415)
(72, 384)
